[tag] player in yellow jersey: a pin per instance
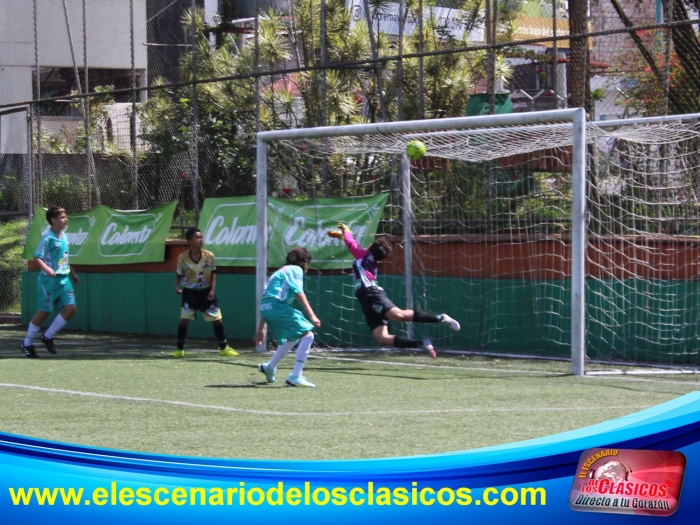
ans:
(196, 281)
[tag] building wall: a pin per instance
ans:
(108, 43)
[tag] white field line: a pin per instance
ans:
(322, 414)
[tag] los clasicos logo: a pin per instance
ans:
(620, 481)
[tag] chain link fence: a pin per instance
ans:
(136, 103)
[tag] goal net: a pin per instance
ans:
(530, 258)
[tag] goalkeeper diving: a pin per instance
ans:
(376, 306)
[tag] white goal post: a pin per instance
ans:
(424, 128)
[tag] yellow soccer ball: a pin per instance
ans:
(415, 150)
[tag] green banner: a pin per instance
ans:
(229, 228)
(103, 236)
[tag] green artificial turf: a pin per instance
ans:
(125, 392)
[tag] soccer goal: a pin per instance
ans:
(544, 235)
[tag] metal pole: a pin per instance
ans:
(407, 219)
(256, 65)
(195, 131)
(421, 87)
(86, 117)
(324, 93)
(39, 159)
(261, 259)
(667, 57)
(578, 246)
(399, 65)
(489, 56)
(417, 126)
(134, 159)
(555, 53)
(30, 171)
(83, 101)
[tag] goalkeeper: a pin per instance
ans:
(376, 306)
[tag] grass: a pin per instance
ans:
(125, 392)
(12, 236)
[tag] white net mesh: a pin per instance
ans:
(643, 260)
(491, 232)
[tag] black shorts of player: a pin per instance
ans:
(375, 304)
(198, 300)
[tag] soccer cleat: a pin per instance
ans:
(29, 351)
(228, 351)
(178, 353)
(269, 372)
(299, 381)
(49, 344)
(450, 323)
(428, 347)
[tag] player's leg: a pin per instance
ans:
(274, 317)
(45, 302)
(32, 332)
(414, 316)
(212, 313)
(297, 377)
(270, 367)
(384, 338)
(297, 327)
(181, 337)
(64, 299)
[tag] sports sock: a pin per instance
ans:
(302, 354)
(422, 317)
(55, 327)
(181, 336)
(31, 334)
(405, 342)
(220, 335)
(282, 350)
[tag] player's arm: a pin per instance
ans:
(260, 334)
(179, 272)
(44, 267)
(212, 290)
(74, 276)
(345, 233)
(301, 297)
(212, 284)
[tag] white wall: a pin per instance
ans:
(108, 43)
(108, 33)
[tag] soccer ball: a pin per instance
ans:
(415, 150)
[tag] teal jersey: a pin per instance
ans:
(285, 283)
(54, 252)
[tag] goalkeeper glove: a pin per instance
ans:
(343, 227)
(335, 234)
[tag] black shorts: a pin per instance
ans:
(197, 300)
(375, 304)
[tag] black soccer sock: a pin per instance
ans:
(220, 335)
(181, 336)
(405, 342)
(422, 317)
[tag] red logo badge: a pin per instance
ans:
(642, 482)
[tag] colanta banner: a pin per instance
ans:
(229, 228)
(102, 236)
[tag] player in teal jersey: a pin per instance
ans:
(287, 323)
(55, 287)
